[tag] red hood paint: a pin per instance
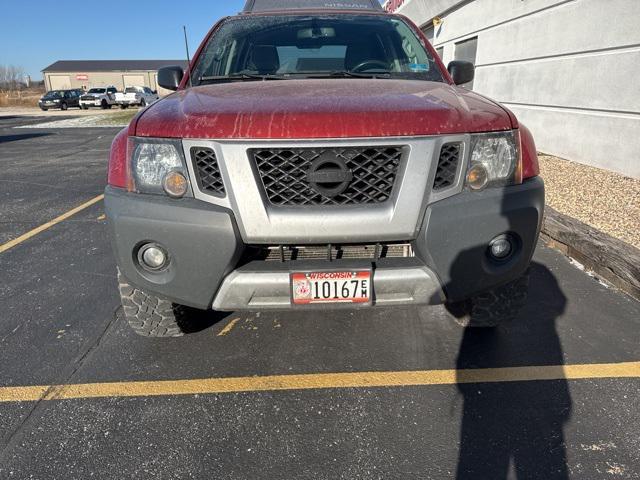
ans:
(336, 108)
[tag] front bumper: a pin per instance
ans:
(90, 103)
(49, 105)
(207, 270)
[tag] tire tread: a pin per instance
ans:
(149, 315)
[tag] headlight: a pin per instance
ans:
(495, 160)
(151, 162)
(56, 101)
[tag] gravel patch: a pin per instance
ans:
(604, 200)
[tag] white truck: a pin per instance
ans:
(103, 97)
(139, 96)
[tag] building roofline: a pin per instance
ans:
(109, 65)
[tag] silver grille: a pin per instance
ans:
(284, 174)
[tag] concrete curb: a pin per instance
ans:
(611, 259)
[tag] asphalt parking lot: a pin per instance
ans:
(392, 394)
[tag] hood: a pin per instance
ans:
(335, 108)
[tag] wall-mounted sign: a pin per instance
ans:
(82, 76)
(393, 5)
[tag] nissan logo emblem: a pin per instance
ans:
(329, 175)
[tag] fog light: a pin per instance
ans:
(501, 247)
(175, 184)
(152, 257)
(477, 177)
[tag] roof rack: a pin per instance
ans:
(258, 6)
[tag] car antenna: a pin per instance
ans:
(186, 45)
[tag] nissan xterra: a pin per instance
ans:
(321, 157)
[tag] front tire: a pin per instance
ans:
(149, 315)
(104, 105)
(64, 107)
(492, 308)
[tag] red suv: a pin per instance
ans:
(318, 157)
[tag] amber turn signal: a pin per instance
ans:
(477, 177)
(175, 184)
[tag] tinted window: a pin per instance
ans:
(97, 90)
(299, 45)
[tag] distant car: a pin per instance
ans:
(62, 99)
(139, 96)
(104, 97)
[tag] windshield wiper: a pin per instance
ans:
(240, 77)
(346, 74)
(350, 74)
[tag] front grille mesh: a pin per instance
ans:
(288, 253)
(284, 174)
(447, 166)
(207, 171)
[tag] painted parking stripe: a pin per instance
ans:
(48, 225)
(323, 381)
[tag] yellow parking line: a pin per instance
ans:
(228, 327)
(46, 226)
(318, 382)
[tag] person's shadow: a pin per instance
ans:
(516, 426)
(509, 430)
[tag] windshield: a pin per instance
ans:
(97, 90)
(55, 93)
(345, 45)
(131, 90)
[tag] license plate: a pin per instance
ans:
(309, 288)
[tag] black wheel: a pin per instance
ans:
(104, 105)
(492, 308)
(124, 107)
(64, 106)
(143, 103)
(84, 107)
(149, 315)
(44, 109)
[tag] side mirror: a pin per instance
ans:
(461, 71)
(170, 77)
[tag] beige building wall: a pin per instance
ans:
(120, 80)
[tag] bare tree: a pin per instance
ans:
(11, 77)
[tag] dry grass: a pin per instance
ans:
(120, 118)
(21, 98)
(605, 200)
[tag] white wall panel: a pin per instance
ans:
(606, 81)
(608, 141)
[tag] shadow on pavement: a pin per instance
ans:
(23, 136)
(516, 425)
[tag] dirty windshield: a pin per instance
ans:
(303, 46)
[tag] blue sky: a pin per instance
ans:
(36, 34)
